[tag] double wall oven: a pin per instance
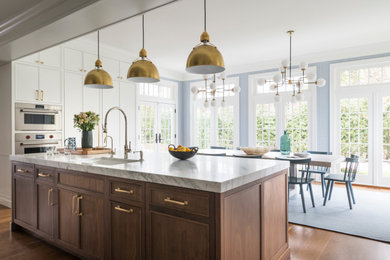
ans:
(38, 127)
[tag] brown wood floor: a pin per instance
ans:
(306, 244)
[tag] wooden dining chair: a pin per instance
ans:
(302, 166)
(322, 170)
(348, 177)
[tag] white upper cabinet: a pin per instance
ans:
(111, 99)
(50, 85)
(73, 60)
(127, 103)
(112, 67)
(91, 102)
(73, 103)
(26, 82)
(89, 61)
(50, 57)
(123, 68)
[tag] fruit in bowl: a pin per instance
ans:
(182, 152)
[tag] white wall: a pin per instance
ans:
(6, 134)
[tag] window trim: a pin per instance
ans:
(235, 100)
(255, 98)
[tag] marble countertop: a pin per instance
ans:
(207, 173)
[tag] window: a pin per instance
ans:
(268, 120)
(154, 90)
(215, 126)
(360, 116)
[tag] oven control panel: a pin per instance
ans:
(20, 137)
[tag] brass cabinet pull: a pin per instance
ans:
(21, 170)
(81, 70)
(41, 95)
(182, 203)
(73, 210)
(78, 206)
(41, 62)
(118, 208)
(124, 191)
(49, 203)
(37, 61)
(44, 175)
(37, 94)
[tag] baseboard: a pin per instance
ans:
(5, 201)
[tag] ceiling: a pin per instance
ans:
(27, 26)
(253, 31)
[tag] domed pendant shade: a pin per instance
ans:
(98, 78)
(205, 58)
(143, 70)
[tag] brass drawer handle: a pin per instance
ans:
(124, 191)
(41, 95)
(44, 175)
(22, 171)
(118, 208)
(74, 212)
(78, 206)
(182, 203)
(37, 94)
(49, 203)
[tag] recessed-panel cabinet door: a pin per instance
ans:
(89, 61)
(24, 201)
(50, 85)
(112, 67)
(26, 82)
(126, 232)
(124, 68)
(91, 225)
(73, 103)
(33, 58)
(51, 57)
(73, 60)
(178, 238)
(45, 209)
(68, 221)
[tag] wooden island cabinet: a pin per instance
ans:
(101, 217)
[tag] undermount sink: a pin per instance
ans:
(113, 161)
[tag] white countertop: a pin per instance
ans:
(208, 173)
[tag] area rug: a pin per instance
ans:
(369, 218)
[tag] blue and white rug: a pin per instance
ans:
(369, 218)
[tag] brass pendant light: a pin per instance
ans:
(143, 70)
(98, 78)
(205, 57)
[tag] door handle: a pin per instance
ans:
(37, 94)
(156, 139)
(78, 206)
(118, 208)
(73, 203)
(41, 95)
(181, 203)
(159, 138)
(44, 175)
(49, 203)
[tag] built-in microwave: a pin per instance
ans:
(37, 117)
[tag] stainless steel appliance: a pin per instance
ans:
(37, 117)
(26, 143)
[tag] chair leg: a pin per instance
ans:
(326, 193)
(323, 186)
(303, 198)
(307, 188)
(331, 189)
(349, 195)
(353, 196)
(311, 195)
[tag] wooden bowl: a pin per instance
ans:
(255, 150)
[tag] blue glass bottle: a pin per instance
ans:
(285, 144)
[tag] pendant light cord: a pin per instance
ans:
(143, 32)
(204, 9)
(290, 54)
(98, 40)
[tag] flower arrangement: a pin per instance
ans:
(86, 121)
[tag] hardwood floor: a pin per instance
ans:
(306, 244)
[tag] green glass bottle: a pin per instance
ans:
(285, 144)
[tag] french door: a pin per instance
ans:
(157, 125)
(383, 139)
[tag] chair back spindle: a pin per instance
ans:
(351, 167)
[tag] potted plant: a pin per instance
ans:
(86, 122)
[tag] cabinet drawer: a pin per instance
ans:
(44, 174)
(188, 201)
(81, 181)
(23, 169)
(132, 191)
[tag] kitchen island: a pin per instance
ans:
(161, 208)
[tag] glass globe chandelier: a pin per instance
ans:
(214, 90)
(283, 80)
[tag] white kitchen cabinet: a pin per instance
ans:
(111, 99)
(127, 103)
(73, 103)
(37, 84)
(73, 60)
(50, 85)
(26, 82)
(49, 57)
(112, 67)
(89, 61)
(123, 69)
(91, 102)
